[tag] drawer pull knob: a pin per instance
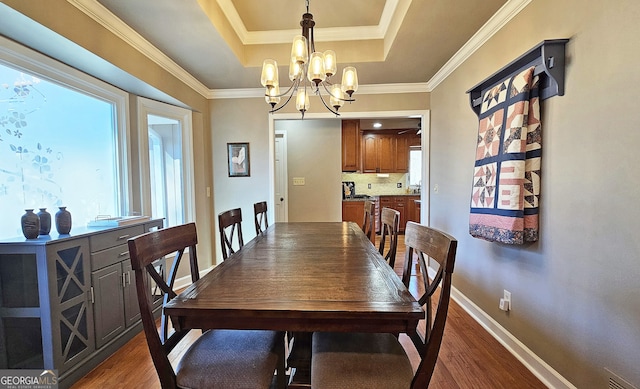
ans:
(123, 237)
(123, 254)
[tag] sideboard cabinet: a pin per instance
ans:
(67, 302)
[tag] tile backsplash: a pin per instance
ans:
(379, 185)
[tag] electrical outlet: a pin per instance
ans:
(369, 186)
(505, 301)
(298, 181)
(399, 185)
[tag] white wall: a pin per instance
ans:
(576, 292)
(233, 122)
(314, 153)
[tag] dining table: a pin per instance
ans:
(300, 277)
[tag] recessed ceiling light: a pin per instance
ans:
(377, 125)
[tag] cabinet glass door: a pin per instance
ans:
(72, 317)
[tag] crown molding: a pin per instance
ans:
(238, 93)
(392, 15)
(372, 89)
(377, 89)
(392, 21)
(102, 16)
(330, 34)
(507, 12)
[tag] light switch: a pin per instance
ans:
(298, 181)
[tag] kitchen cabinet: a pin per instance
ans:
(413, 204)
(351, 140)
(378, 153)
(353, 211)
(387, 202)
(62, 301)
(402, 155)
(402, 204)
(386, 152)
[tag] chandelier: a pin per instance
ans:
(308, 74)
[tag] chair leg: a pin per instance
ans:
(281, 368)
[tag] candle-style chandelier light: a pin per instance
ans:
(318, 69)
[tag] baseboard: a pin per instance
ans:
(544, 372)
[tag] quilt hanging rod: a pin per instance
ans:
(549, 59)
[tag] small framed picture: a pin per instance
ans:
(238, 159)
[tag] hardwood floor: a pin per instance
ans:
(469, 357)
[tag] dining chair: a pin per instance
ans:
(366, 360)
(369, 219)
(217, 358)
(260, 217)
(390, 225)
(230, 226)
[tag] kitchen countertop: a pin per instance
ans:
(374, 197)
(358, 198)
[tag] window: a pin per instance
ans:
(60, 141)
(168, 190)
(165, 166)
(415, 166)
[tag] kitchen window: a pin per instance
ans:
(415, 166)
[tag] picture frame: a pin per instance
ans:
(238, 159)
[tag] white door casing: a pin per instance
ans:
(280, 194)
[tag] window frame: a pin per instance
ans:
(22, 58)
(147, 107)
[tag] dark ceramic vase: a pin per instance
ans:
(30, 224)
(45, 221)
(63, 221)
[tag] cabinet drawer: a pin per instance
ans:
(386, 201)
(100, 259)
(114, 238)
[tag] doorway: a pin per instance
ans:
(424, 151)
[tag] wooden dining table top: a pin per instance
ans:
(308, 276)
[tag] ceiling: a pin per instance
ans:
(221, 43)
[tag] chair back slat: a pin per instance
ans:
(429, 244)
(390, 224)
(144, 250)
(230, 227)
(260, 217)
(369, 218)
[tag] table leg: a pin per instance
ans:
(300, 361)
